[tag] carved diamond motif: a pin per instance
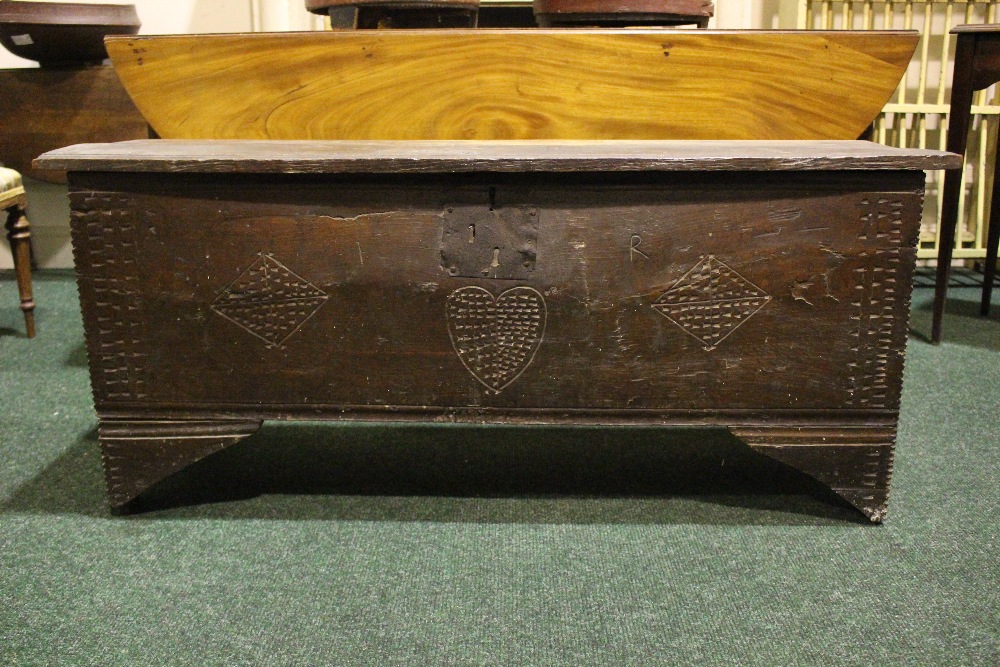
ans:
(711, 301)
(269, 301)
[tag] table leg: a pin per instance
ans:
(958, 136)
(992, 239)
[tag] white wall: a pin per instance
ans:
(48, 209)
(769, 14)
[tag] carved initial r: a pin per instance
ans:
(633, 248)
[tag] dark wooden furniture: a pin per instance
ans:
(622, 13)
(760, 286)
(376, 14)
(60, 34)
(13, 202)
(977, 66)
(45, 109)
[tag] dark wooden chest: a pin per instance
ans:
(760, 286)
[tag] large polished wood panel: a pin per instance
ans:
(514, 84)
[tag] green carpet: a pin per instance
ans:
(416, 545)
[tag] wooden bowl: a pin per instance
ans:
(60, 34)
(323, 6)
(620, 13)
(389, 14)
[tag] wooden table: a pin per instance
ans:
(977, 66)
(759, 286)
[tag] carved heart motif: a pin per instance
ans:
(496, 337)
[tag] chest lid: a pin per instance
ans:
(443, 157)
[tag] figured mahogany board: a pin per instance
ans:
(513, 84)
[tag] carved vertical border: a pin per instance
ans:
(107, 265)
(881, 299)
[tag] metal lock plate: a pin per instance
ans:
(489, 241)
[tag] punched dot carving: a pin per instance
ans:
(496, 337)
(269, 301)
(711, 301)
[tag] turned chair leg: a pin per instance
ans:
(19, 235)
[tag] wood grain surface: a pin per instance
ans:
(44, 109)
(976, 27)
(493, 156)
(137, 455)
(513, 84)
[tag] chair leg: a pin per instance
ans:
(19, 234)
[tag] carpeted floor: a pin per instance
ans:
(391, 545)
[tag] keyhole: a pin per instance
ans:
(493, 198)
(495, 264)
(472, 233)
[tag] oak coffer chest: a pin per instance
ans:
(759, 286)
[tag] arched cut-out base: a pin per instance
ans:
(139, 453)
(855, 462)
